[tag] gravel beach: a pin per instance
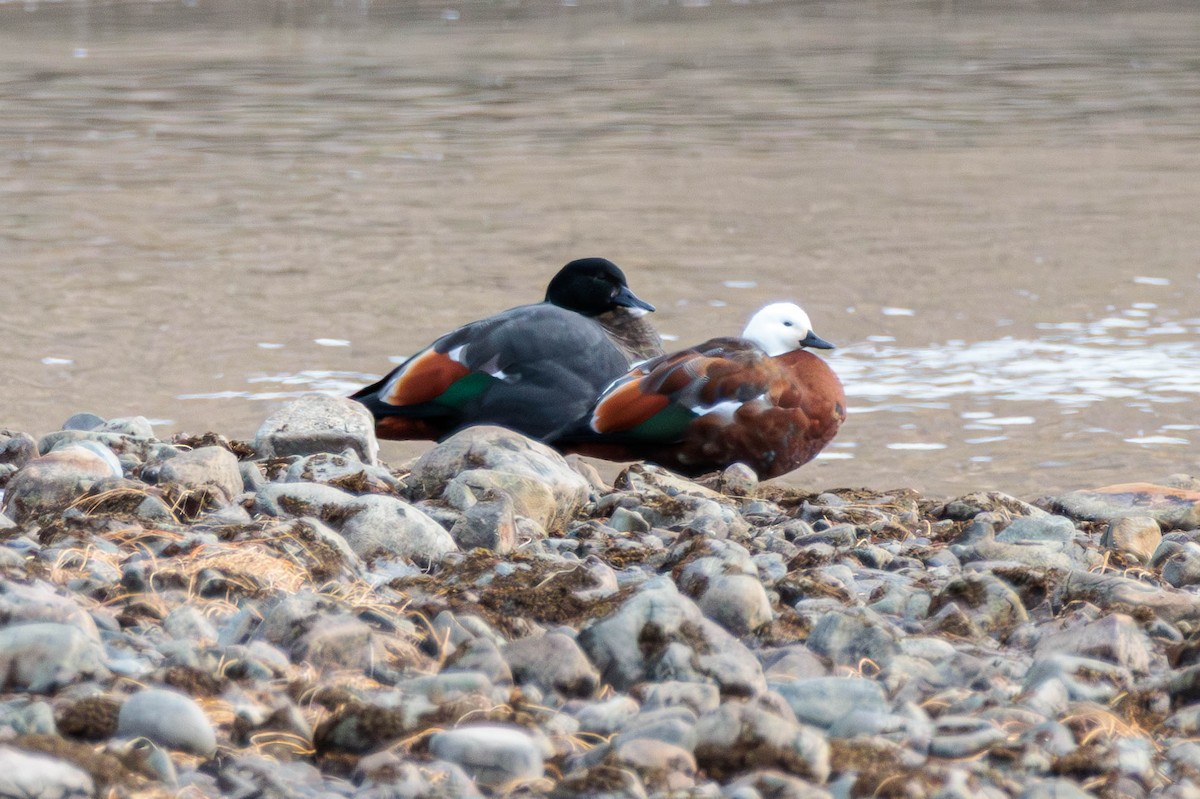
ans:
(288, 617)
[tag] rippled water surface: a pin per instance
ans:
(207, 208)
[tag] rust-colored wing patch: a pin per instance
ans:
(425, 378)
(625, 407)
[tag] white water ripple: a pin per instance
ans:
(1069, 374)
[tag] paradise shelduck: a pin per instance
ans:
(533, 369)
(761, 399)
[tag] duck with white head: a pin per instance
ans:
(762, 399)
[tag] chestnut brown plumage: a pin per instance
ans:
(762, 400)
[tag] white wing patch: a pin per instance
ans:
(723, 410)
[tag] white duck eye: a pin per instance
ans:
(788, 323)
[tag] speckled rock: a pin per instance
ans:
(386, 526)
(737, 735)
(657, 632)
(211, 469)
(505, 452)
(318, 423)
(50, 483)
(738, 602)
(552, 662)
(41, 657)
(1172, 508)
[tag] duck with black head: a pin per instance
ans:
(761, 399)
(533, 369)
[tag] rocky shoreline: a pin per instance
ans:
(289, 618)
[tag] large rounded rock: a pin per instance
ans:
(42, 657)
(390, 527)
(211, 469)
(738, 602)
(318, 423)
(1172, 508)
(552, 662)
(659, 633)
(168, 719)
(496, 449)
(25, 774)
(496, 756)
(822, 701)
(737, 736)
(55, 480)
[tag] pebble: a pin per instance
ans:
(495, 619)
(495, 756)
(167, 718)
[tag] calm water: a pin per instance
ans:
(206, 209)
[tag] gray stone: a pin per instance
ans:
(133, 426)
(211, 469)
(25, 775)
(36, 601)
(529, 496)
(52, 482)
(1172, 508)
(491, 525)
(739, 480)
(188, 623)
(83, 421)
(494, 755)
(1086, 679)
(657, 630)
(660, 765)
(1136, 536)
(775, 784)
(737, 736)
(318, 423)
(915, 733)
(481, 655)
(1107, 591)
(1055, 789)
(673, 725)
(16, 448)
(988, 602)
(339, 640)
(343, 469)
(286, 500)
(41, 657)
(821, 701)
(607, 717)
(169, 719)
(699, 697)
(390, 527)
(552, 662)
(1038, 528)
(852, 635)
(1182, 568)
(963, 736)
(1115, 638)
(502, 451)
(625, 520)
(28, 718)
(738, 602)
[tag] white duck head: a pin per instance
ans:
(782, 327)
